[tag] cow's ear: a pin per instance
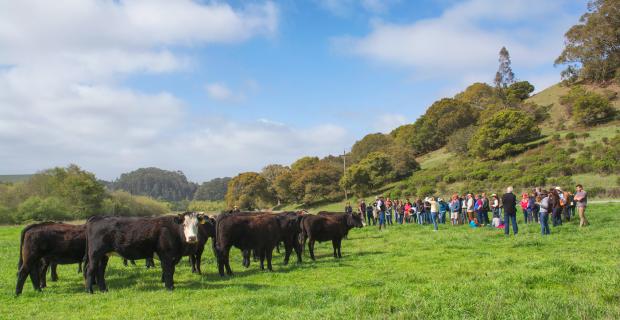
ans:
(202, 219)
(179, 218)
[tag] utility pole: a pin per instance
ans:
(344, 171)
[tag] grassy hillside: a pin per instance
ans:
(405, 272)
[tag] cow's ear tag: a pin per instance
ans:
(203, 221)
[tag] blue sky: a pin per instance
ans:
(215, 88)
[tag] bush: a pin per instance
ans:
(207, 206)
(503, 134)
(587, 108)
(121, 203)
(425, 191)
(570, 136)
(5, 215)
(39, 209)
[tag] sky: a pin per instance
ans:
(215, 88)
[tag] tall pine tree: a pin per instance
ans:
(504, 75)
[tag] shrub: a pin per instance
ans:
(587, 108)
(41, 209)
(570, 136)
(121, 203)
(207, 206)
(5, 215)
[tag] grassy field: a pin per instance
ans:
(405, 272)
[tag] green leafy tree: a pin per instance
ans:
(503, 134)
(519, 91)
(430, 131)
(586, 107)
(316, 180)
(157, 183)
(212, 190)
(370, 143)
(458, 141)
(248, 191)
(592, 49)
(271, 174)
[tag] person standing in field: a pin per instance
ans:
(581, 200)
(470, 208)
(543, 203)
(361, 208)
(381, 208)
(348, 208)
(509, 200)
(485, 209)
(443, 208)
(389, 205)
(407, 211)
(370, 216)
(525, 200)
(455, 208)
(434, 211)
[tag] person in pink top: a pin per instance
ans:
(525, 200)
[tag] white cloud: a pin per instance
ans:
(464, 41)
(346, 7)
(62, 97)
(221, 92)
(387, 122)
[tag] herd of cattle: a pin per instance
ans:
(45, 245)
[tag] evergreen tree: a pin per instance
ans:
(504, 76)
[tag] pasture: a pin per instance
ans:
(405, 272)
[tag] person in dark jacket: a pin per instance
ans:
(509, 200)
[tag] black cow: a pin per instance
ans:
(206, 230)
(260, 233)
(138, 238)
(290, 229)
(48, 243)
(327, 226)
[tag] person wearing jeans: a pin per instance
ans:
(544, 213)
(509, 200)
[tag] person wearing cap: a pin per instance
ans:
(581, 199)
(443, 208)
(509, 201)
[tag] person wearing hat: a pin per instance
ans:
(443, 208)
(434, 211)
(509, 200)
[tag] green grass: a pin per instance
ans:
(405, 272)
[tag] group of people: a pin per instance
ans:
(473, 209)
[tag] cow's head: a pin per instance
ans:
(190, 222)
(355, 220)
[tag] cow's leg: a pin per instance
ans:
(125, 262)
(311, 248)
(192, 262)
(92, 267)
(197, 261)
(43, 273)
(287, 251)
(335, 246)
(246, 258)
(54, 271)
(278, 247)
(103, 263)
(35, 271)
(339, 246)
(298, 251)
(133, 262)
(79, 266)
(167, 269)
(269, 255)
(22, 275)
(150, 263)
(262, 258)
(227, 261)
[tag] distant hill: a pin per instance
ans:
(14, 177)
(156, 183)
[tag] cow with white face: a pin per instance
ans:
(190, 222)
(139, 238)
